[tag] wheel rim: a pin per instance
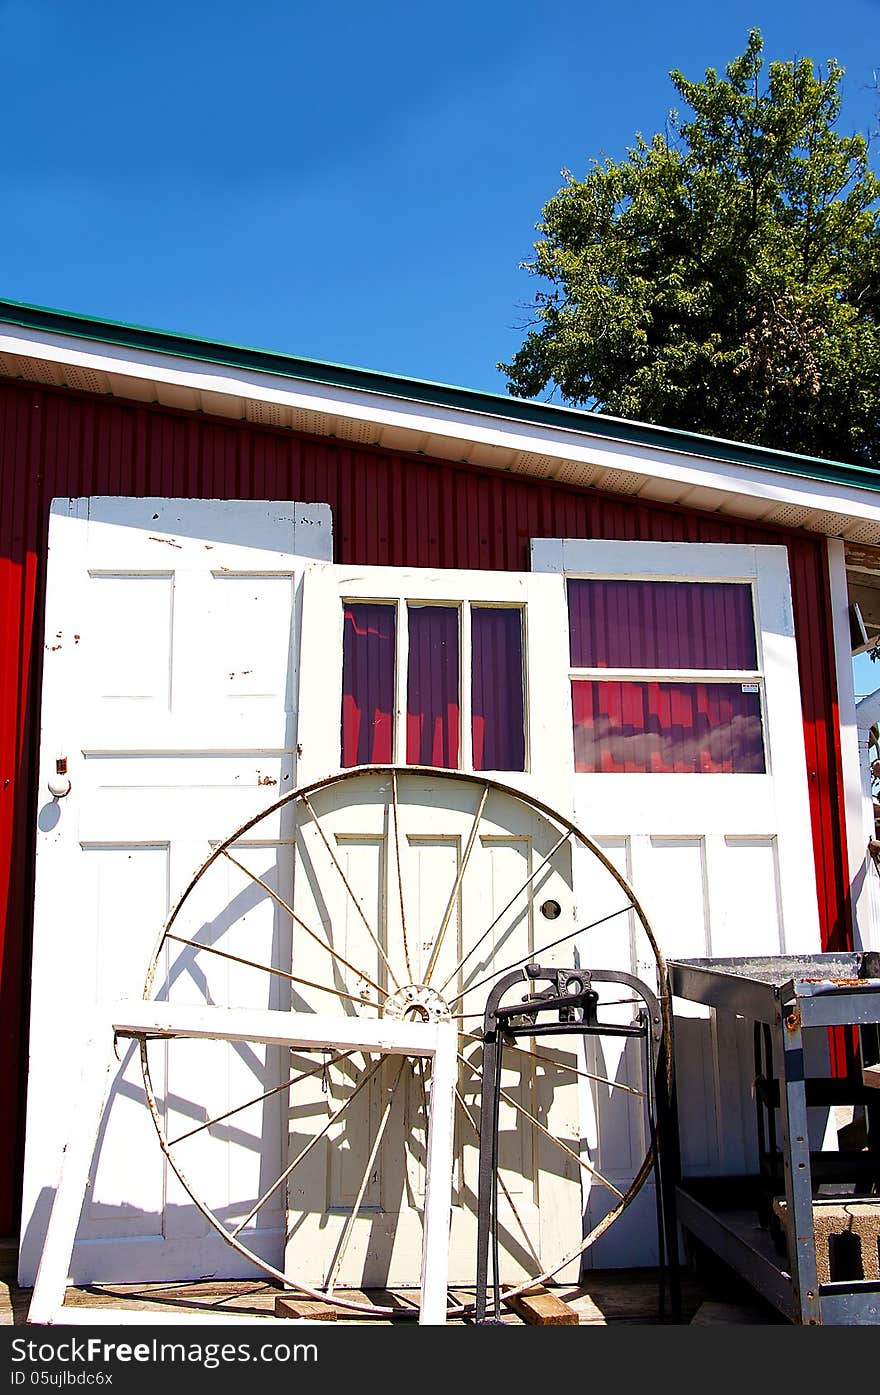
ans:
(402, 979)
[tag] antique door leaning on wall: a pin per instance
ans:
(170, 688)
(690, 772)
(465, 671)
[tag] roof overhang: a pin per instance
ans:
(582, 449)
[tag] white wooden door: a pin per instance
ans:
(170, 689)
(457, 860)
(721, 860)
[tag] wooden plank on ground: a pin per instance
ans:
(871, 1076)
(542, 1308)
(305, 1308)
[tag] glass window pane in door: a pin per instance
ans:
(661, 624)
(432, 688)
(497, 699)
(667, 728)
(368, 642)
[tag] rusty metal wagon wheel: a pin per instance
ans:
(403, 892)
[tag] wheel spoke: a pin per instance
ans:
(258, 1099)
(501, 1182)
(270, 969)
(562, 1065)
(581, 1162)
(374, 1152)
(301, 923)
(529, 879)
(533, 956)
(356, 903)
(308, 1148)
(409, 971)
(453, 896)
(569, 1152)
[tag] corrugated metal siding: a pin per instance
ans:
(387, 509)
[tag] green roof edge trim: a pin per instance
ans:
(519, 409)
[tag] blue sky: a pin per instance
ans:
(349, 181)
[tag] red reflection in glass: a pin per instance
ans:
(368, 684)
(666, 728)
(432, 697)
(497, 708)
(661, 624)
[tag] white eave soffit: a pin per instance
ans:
(447, 433)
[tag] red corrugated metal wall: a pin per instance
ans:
(402, 510)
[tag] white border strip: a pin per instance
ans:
(456, 425)
(857, 814)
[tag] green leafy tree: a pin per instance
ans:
(723, 278)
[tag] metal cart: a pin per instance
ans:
(569, 1006)
(735, 1217)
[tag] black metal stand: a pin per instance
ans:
(574, 1003)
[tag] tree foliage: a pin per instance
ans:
(724, 277)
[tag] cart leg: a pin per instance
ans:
(487, 1200)
(669, 1154)
(795, 1145)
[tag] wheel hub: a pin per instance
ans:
(416, 1002)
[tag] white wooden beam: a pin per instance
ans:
(438, 1177)
(48, 1295)
(276, 1028)
(436, 1041)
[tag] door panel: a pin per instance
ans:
(418, 868)
(722, 862)
(436, 885)
(169, 685)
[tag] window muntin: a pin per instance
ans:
(664, 677)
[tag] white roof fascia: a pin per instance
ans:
(454, 424)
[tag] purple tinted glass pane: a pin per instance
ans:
(368, 684)
(666, 728)
(432, 698)
(661, 624)
(497, 707)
